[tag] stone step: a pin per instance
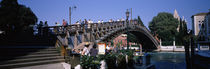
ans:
(29, 56)
(20, 56)
(16, 47)
(23, 60)
(26, 50)
(16, 65)
(26, 53)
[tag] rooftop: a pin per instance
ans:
(200, 14)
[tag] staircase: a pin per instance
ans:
(23, 56)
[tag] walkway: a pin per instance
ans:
(49, 66)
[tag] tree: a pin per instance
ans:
(182, 34)
(16, 18)
(139, 21)
(165, 25)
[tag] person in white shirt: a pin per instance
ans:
(85, 50)
(99, 21)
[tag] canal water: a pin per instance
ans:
(167, 60)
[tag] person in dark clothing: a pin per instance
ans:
(40, 32)
(45, 29)
(93, 51)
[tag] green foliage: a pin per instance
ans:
(182, 34)
(89, 62)
(165, 25)
(16, 18)
(110, 60)
(112, 43)
(121, 61)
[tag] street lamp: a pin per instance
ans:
(70, 8)
(127, 16)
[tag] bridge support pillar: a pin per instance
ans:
(75, 39)
(83, 37)
(89, 37)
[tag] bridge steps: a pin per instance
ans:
(23, 56)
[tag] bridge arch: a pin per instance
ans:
(143, 36)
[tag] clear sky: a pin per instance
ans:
(57, 10)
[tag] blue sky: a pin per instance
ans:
(57, 10)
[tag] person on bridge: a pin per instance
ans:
(40, 26)
(57, 24)
(45, 29)
(64, 23)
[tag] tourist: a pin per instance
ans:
(82, 24)
(57, 24)
(89, 21)
(64, 22)
(45, 24)
(40, 28)
(45, 29)
(93, 51)
(57, 28)
(102, 21)
(86, 22)
(108, 49)
(35, 28)
(81, 51)
(110, 20)
(77, 23)
(85, 50)
(99, 21)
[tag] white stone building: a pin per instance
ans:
(197, 21)
(204, 32)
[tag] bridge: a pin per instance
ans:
(76, 35)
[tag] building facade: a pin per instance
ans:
(204, 32)
(197, 21)
(207, 27)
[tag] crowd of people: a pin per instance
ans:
(41, 28)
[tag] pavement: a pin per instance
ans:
(61, 65)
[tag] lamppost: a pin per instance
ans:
(70, 8)
(127, 21)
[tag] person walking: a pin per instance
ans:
(40, 26)
(93, 51)
(45, 29)
(85, 50)
(64, 23)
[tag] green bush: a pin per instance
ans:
(111, 60)
(89, 62)
(121, 61)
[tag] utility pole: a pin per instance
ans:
(131, 16)
(69, 15)
(70, 9)
(127, 21)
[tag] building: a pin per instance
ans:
(176, 15)
(204, 33)
(207, 27)
(197, 21)
(122, 41)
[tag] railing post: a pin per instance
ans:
(83, 34)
